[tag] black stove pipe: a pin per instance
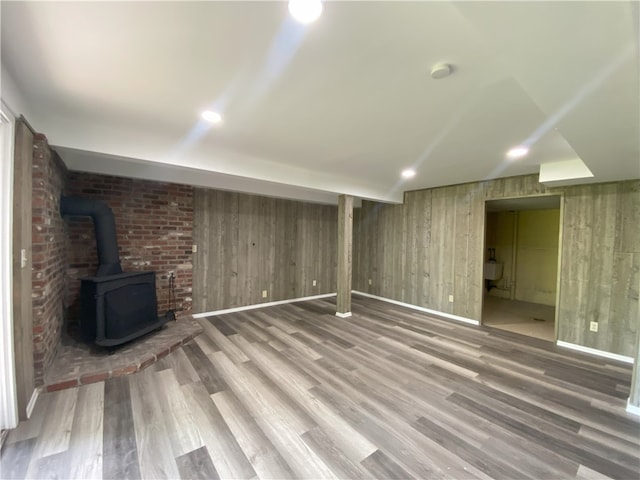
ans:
(105, 230)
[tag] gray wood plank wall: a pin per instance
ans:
(22, 282)
(600, 270)
(432, 246)
(248, 243)
(634, 397)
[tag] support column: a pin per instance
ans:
(345, 242)
(633, 405)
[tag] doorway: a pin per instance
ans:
(522, 240)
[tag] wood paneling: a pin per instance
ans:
(22, 282)
(248, 243)
(600, 276)
(634, 397)
(432, 246)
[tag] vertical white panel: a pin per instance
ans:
(8, 399)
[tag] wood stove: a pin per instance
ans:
(115, 307)
(118, 308)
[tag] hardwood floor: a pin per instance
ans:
(294, 392)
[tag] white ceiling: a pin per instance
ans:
(339, 106)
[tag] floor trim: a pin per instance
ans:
(421, 309)
(633, 409)
(261, 305)
(32, 402)
(595, 351)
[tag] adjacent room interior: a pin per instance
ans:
(313, 239)
(522, 239)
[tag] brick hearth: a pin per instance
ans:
(77, 363)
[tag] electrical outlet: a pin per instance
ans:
(314, 283)
(264, 294)
(194, 248)
(451, 298)
(593, 326)
(369, 281)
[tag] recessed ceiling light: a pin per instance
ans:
(517, 152)
(211, 116)
(408, 173)
(305, 11)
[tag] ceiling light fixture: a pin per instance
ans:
(408, 173)
(441, 70)
(517, 152)
(305, 11)
(211, 116)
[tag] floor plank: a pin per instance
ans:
(152, 439)
(87, 433)
(51, 467)
(182, 429)
(333, 455)
(264, 457)
(381, 466)
(292, 391)
(226, 454)
(31, 428)
(120, 452)
(197, 464)
(179, 363)
(281, 425)
(56, 426)
(15, 458)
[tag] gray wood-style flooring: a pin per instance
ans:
(294, 392)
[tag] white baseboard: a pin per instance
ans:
(633, 409)
(343, 315)
(595, 351)
(420, 309)
(261, 305)
(32, 402)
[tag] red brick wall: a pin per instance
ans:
(50, 240)
(154, 224)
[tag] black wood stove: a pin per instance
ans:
(115, 307)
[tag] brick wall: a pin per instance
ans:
(50, 240)
(154, 224)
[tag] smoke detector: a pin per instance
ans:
(441, 70)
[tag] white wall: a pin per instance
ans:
(13, 98)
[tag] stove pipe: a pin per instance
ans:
(105, 230)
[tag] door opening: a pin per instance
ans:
(522, 245)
